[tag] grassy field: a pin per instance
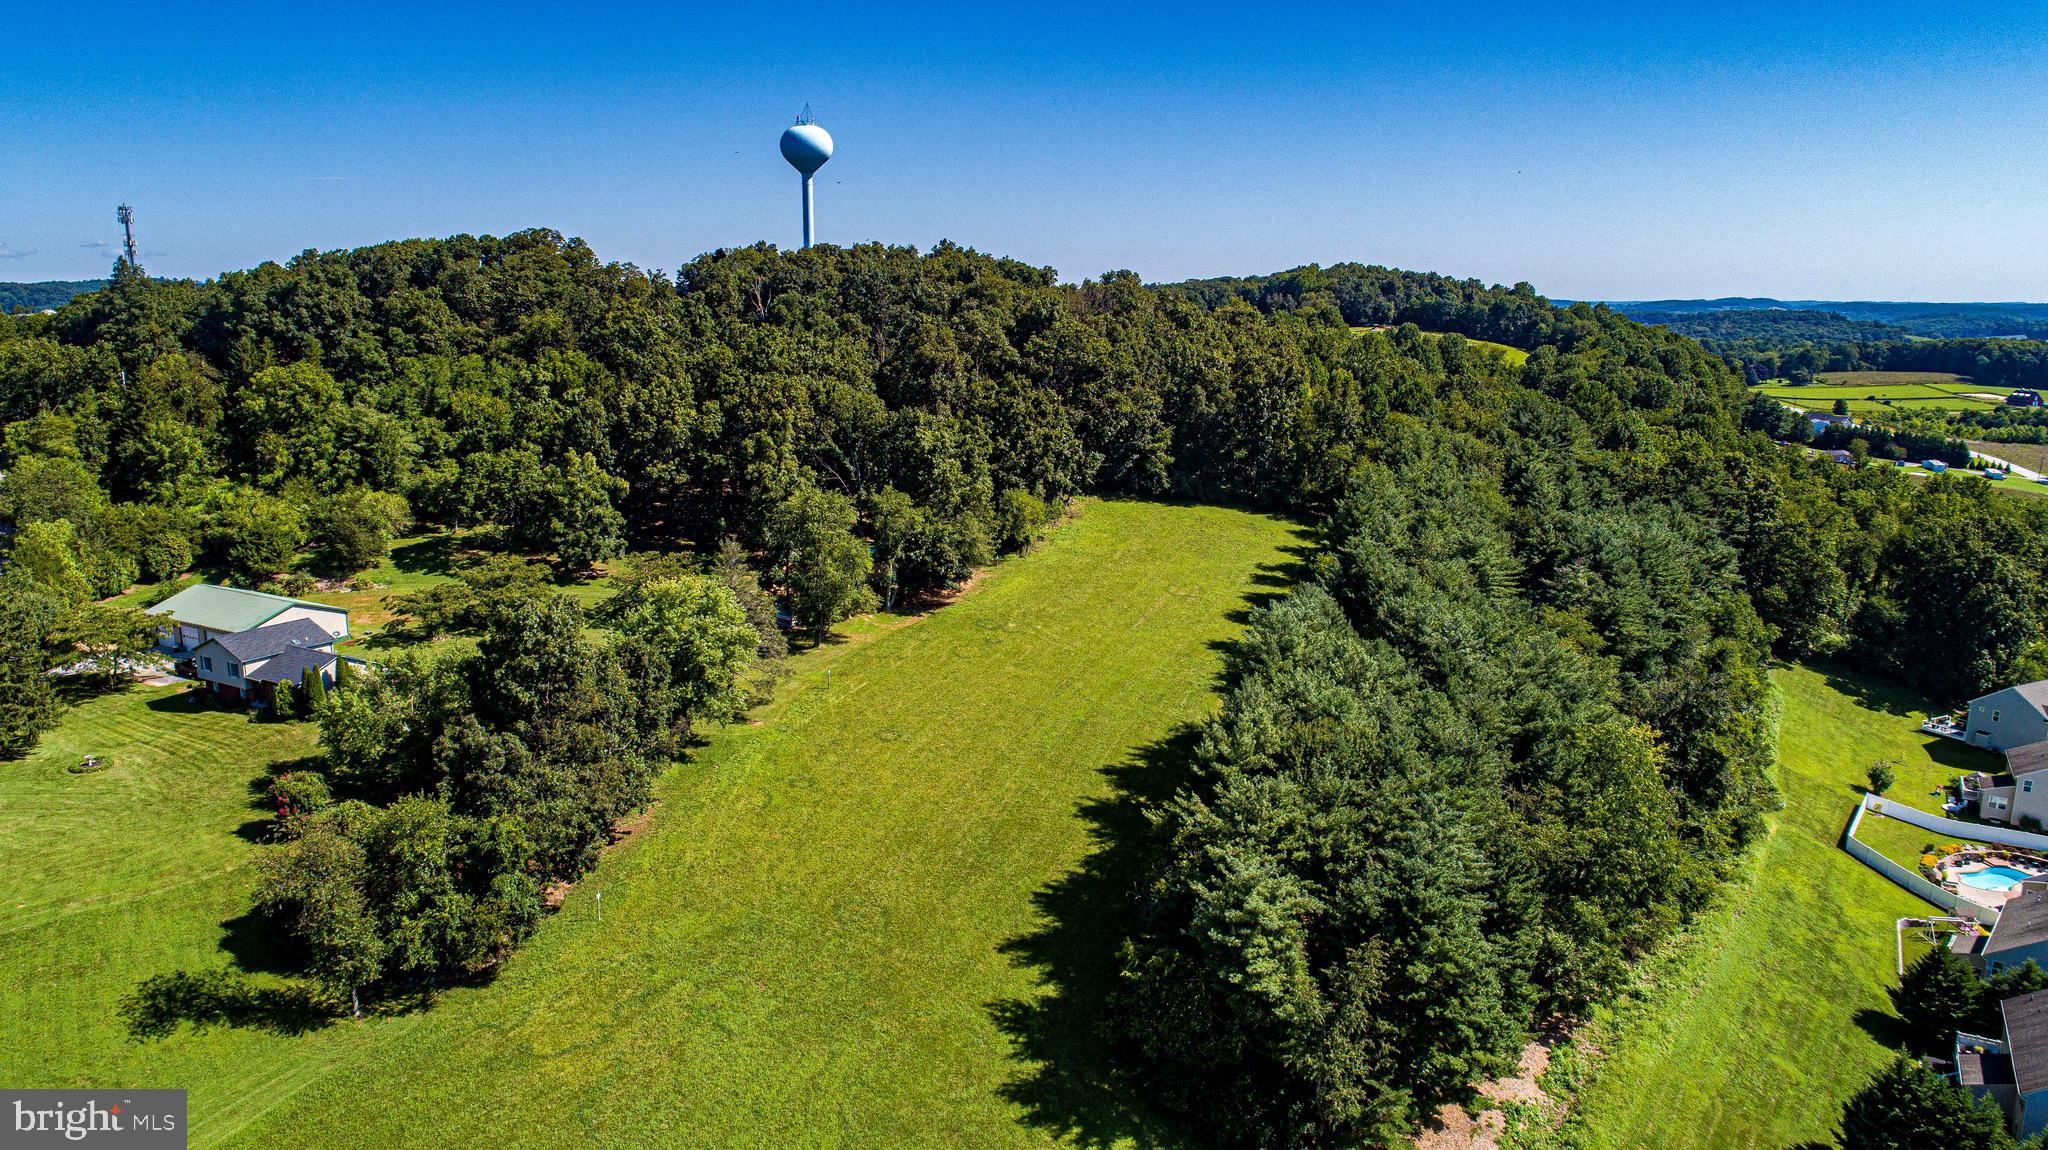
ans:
(2032, 456)
(1861, 378)
(1753, 1033)
(863, 919)
(1513, 355)
(1870, 391)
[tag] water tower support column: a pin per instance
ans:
(810, 217)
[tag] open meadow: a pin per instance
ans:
(865, 917)
(1870, 391)
(1752, 1033)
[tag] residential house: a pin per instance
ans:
(2024, 397)
(2020, 934)
(250, 664)
(2019, 795)
(2011, 1069)
(2013, 717)
(204, 612)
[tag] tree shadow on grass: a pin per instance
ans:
(1071, 1084)
(1271, 583)
(160, 1005)
(1873, 693)
(1888, 1030)
(434, 555)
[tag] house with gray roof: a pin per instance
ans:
(2013, 717)
(2013, 722)
(2012, 1068)
(2020, 934)
(205, 611)
(250, 664)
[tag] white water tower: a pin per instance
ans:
(806, 146)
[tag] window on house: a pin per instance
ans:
(206, 662)
(1996, 967)
(1994, 716)
(2027, 785)
(234, 668)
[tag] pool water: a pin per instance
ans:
(1994, 878)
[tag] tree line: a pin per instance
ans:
(1514, 732)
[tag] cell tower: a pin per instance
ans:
(806, 146)
(126, 215)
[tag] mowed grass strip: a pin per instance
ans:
(1775, 1011)
(1860, 378)
(813, 942)
(139, 869)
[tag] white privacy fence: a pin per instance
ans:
(1913, 880)
(1982, 832)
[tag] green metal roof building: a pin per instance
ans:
(207, 611)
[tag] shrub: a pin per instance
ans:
(1881, 778)
(291, 584)
(298, 795)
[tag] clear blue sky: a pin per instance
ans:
(1795, 150)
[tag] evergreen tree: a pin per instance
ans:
(312, 693)
(1908, 1107)
(1940, 992)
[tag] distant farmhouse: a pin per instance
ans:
(243, 643)
(2013, 721)
(2011, 1069)
(2024, 397)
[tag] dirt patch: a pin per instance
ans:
(1454, 1128)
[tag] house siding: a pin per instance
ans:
(2033, 1113)
(2017, 722)
(334, 622)
(2034, 803)
(2014, 959)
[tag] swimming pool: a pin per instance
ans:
(1995, 878)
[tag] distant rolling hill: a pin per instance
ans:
(1763, 316)
(44, 294)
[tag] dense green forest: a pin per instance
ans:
(1770, 327)
(44, 293)
(1730, 314)
(1994, 362)
(1530, 655)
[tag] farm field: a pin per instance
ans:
(846, 923)
(1868, 391)
(1860, 378)
(2032, 456)
(1752, 1034)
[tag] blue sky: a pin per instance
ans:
(1795, 150)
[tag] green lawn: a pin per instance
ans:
(1868, 392)
(1755, 1031)
(1513, 355)
(1903, 842)
(846, 924)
